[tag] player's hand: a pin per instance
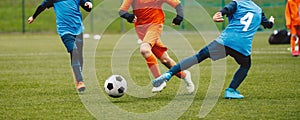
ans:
(271, 19)
(30, 20)
(177, 20)
(135, 19)
(218, 17)
(131, 18)
(88, 4)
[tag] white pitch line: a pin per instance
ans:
(260, 51)
(31, 54)
(270, 52)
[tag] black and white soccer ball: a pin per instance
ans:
(115, 86)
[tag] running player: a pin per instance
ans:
(70, 28)
(292, 17)
(148, 18)
(244, 18)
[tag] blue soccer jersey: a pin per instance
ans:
(243, 24)
(68, 16)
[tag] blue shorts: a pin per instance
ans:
(217, 51)
(70, 40)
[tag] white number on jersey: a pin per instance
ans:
(246, 20)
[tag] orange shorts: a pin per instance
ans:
(150, 33)
(295, 30)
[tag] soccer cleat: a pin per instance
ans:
(189, 83)
(230, 93)
(295, 53)
(159, 88)
(161, 79)
(80, 86)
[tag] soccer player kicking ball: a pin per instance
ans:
(292, 17)
(244, 18)
(148, 18)
(70, 28)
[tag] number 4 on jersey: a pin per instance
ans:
(246, 20)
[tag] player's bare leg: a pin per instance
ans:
(146, 52)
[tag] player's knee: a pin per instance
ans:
(246, 65)
(145, 50)
(202, 54)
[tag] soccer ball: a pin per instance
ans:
(115, 86)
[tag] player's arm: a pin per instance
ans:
(45, 4)
(123, 11)
(86, 5)
(228, 10)
(177, 5)
(267, 23)
(131, 18)
(179, 17)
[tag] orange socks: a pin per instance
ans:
(181, 75)
(154, 68)
(153, 65)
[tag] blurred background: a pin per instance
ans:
(14, 14)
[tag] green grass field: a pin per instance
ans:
(36, 82)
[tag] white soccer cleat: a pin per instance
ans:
(189, 83)
(159, 88)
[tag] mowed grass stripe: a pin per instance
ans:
(36, 81)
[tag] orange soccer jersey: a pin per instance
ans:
(150, 20)
(148, 11)
(292, 15)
